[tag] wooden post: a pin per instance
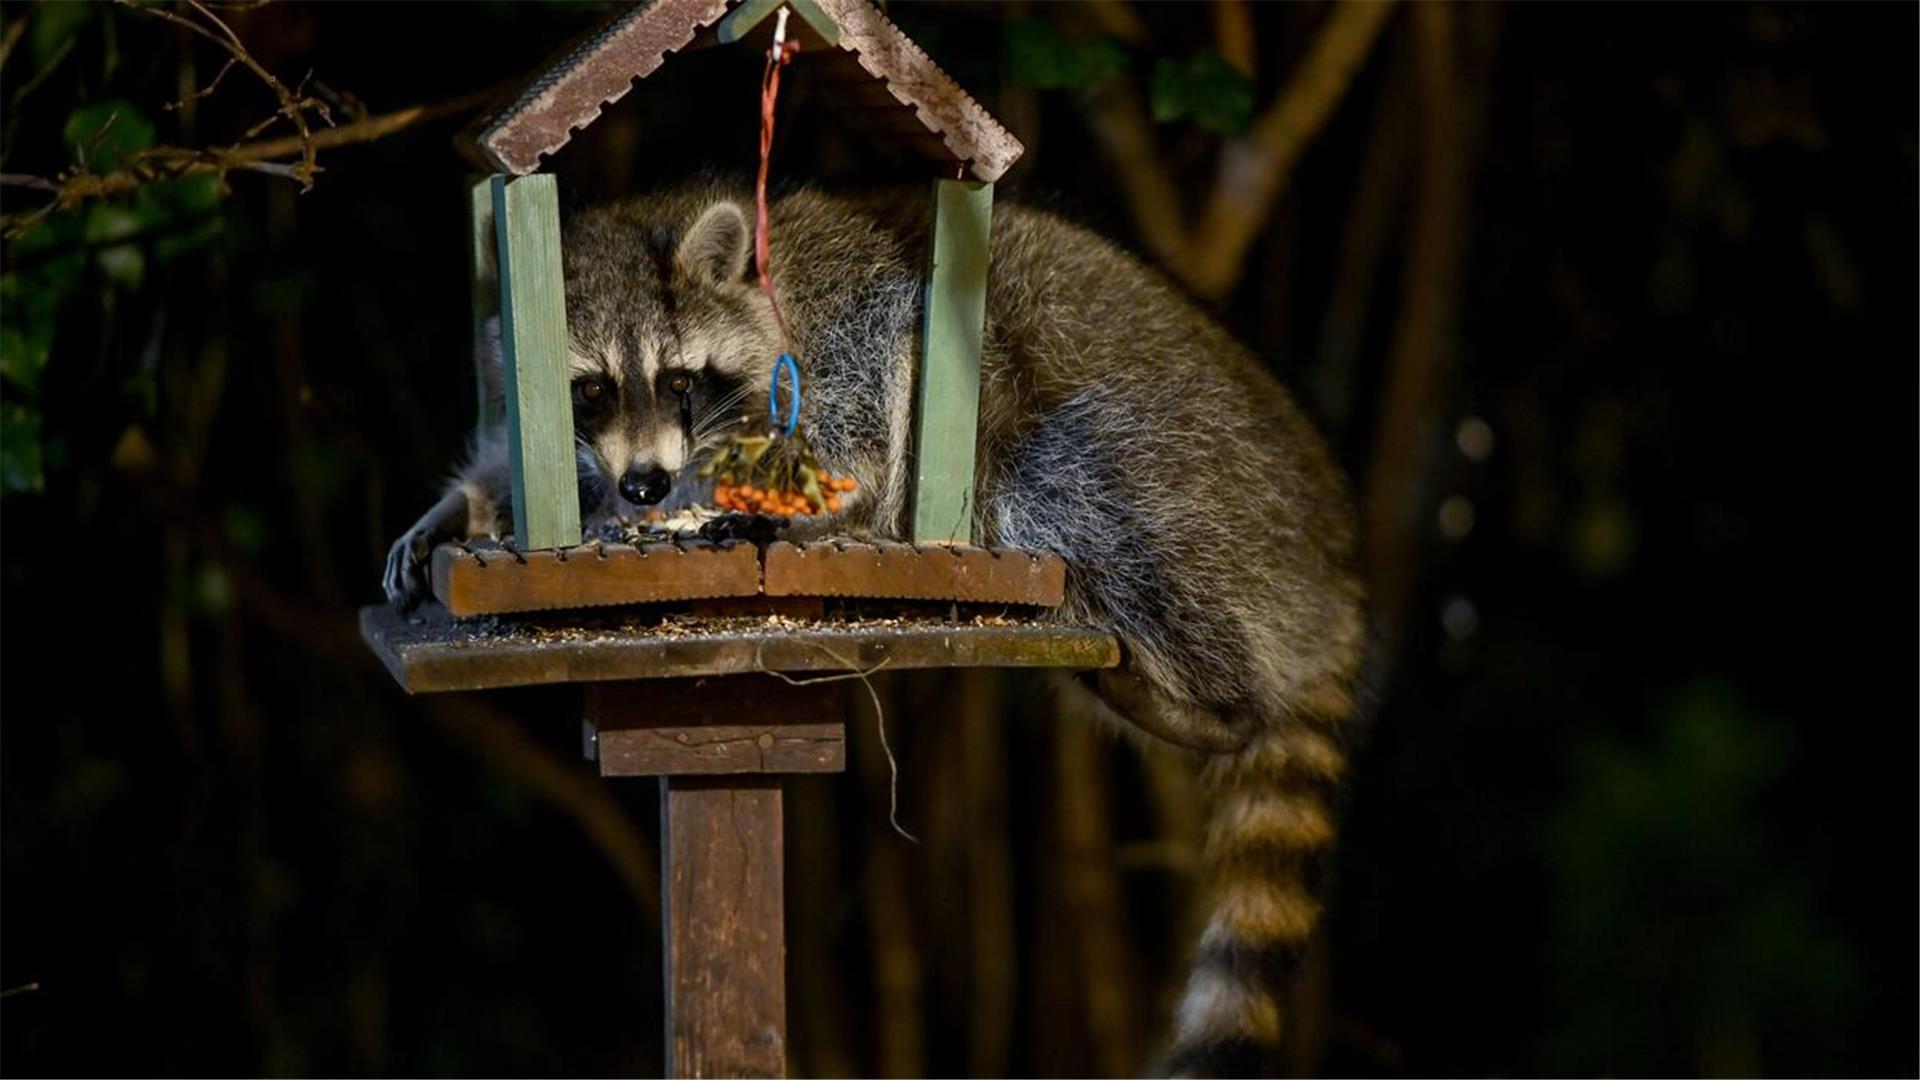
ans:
(533, 338)
(947, 405)
(483, 264)
(723, 925)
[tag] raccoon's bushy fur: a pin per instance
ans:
(1200, 515)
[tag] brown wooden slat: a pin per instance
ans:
(897, 571)
(494, 582)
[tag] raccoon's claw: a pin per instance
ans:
(405, 577)
(759, 529)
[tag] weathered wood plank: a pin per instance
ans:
(961, 573)
(429, 652)
(947, 398)
(968, 133)
(483, 266)
(533, 338)
(724, 925)
(745, 724)
(493, 582)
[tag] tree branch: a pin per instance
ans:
(1254, 170)
(1119, 123)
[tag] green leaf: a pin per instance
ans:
(20, 467)
(116, 125)
(1038, 56)
(1206, 90)
(122, 264)
(27, 307)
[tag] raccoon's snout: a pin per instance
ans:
(644, 487)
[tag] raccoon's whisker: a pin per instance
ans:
(717, 414)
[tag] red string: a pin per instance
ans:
(777, 58)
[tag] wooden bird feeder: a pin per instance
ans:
(692, 703)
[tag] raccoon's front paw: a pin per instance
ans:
(405, 577)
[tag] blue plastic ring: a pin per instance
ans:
(785, 363)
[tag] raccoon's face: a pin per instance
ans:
(671, 348)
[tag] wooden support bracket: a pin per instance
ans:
(740, 724)
(533, 340)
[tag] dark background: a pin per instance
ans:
(1639, 792)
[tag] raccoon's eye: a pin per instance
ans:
(679, 382)
(591, 392)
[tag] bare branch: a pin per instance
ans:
(37, 183)
(16, 30)
(158, 163)
(1117, 18)
(293, 106)
(367, 130)
(1119, 122)
(1254, 170)
(204, 92)
(1233, 34)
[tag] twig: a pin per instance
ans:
(204, 92)
(293, 107)
(16, 30)
(367, 130)
(24, 988)
(38, 183)
(158, 163)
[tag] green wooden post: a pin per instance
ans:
(947, 406)
(533, 338)
(484, 268)
(751, 13)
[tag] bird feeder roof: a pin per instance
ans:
(882, 79)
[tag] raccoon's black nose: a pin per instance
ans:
(645, 486)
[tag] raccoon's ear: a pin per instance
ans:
(716, 245)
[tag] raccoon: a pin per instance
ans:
(1201, 517)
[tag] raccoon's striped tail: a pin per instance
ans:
(1269, 833)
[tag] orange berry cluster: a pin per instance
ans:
(748, 499)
